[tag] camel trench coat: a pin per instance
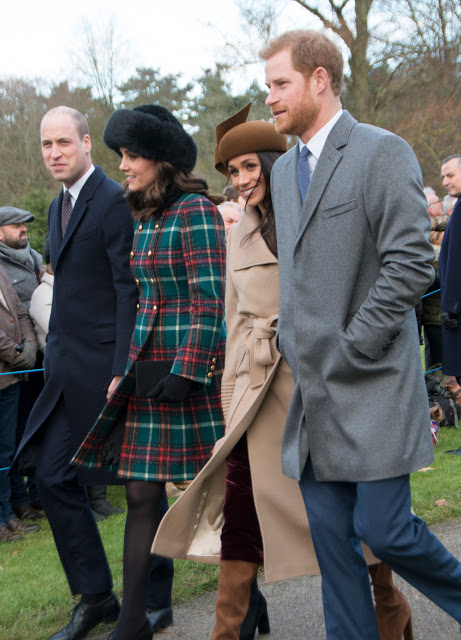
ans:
(256, 390)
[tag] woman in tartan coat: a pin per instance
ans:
(177, 259)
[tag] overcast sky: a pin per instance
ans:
(173, 35)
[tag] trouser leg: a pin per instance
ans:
(384, 521)
(68, 510)
(347, 602)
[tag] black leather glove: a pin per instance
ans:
(25, 359)
(173, 389)
(449, 321)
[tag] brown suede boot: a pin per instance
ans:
(235, 578)
(393, 611)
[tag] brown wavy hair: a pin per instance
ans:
(266, 226)
(169, 184)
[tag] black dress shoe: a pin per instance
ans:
(86, 616)
(160, 618)
(144, 633)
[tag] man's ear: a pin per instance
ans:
(320, 79)
(87, 143)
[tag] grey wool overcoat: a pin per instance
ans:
(354, 260)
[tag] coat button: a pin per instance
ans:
(152, 280)
(137, 280)
(212, 367)
(214, 361)
(156, 226)
(140, 227)
(149, 253)
(155, 307)
(137, 306)
(132, 254)
(210, 375)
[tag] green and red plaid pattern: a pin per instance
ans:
(178, 260)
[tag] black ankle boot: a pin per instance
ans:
(256, 617)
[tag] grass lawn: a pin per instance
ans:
(35, 599)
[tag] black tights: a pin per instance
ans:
(143, 517)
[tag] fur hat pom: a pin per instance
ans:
(153, 132)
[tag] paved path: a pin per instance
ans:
(295, 607)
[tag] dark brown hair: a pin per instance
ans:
(169, 184)
(309, 50)
(266, 225)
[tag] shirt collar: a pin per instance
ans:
(317, 142)
(75, 189)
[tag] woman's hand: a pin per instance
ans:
(113, 385)
(173, 388)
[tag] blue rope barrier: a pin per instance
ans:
(13, 373)
(432, 370)
(429, 294)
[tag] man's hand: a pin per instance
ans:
(113, 385)
(26, 358)
(449, 321)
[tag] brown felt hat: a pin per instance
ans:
(236, 136)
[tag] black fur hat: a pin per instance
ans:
(153, 132)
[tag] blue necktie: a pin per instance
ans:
(304, 173)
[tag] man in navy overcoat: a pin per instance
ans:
(92, 318)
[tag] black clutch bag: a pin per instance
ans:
(149, 373)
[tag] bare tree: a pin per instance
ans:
(99, 59)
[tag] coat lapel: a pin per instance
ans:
(326, 165)
(259, 252)
(81, 205)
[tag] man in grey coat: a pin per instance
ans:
(354, 254)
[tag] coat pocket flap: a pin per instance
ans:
(339, 209)
(106, 333)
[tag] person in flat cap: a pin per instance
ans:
(167, 405)
(23, 266)
(22, 263)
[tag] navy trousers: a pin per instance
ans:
(378, 513)
(71, 519)
(68, 510)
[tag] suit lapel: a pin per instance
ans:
(326, 165)
(55, 229)
(81, 205)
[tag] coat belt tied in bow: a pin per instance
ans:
(260, 349)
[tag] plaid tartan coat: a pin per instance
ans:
(178, 261)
